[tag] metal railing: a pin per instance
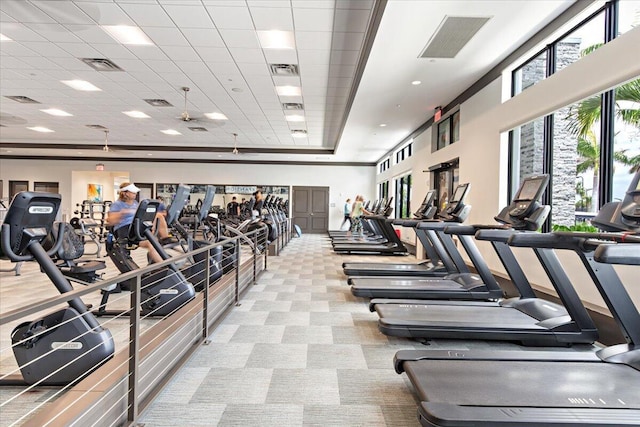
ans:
(148, 350)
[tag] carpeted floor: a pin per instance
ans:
(299, 350)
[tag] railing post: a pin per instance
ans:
(205, 300)
(134, 347)
(255, 256)
(237, 271)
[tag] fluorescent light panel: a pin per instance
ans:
(40, 129)
(127, 34)
(276, 39)
(170, 132)
(294, 118)
(57, 112)
(216, 116)
(288, 91)
(136, 114)
(81, 85)
(4, 38)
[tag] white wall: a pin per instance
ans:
(343, 181)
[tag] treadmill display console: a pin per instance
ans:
(527, 196)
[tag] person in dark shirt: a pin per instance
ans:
(233, 208)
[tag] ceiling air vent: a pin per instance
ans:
(101, 64)
(23, 99)
(292, 106)
(284, 69)
(158, 102)
(298, 132)
(198, 129)
(98, 127)
(452, 35)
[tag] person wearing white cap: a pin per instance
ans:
(121, 213)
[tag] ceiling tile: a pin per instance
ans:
(313, 19)
(162, 66)
(189, 16)
(231, 18)
(55, 33)
(21, 33)
(6, 18)
(203, 37)
(148, 15)
(351, 20)
(65, 12)
(163, 36)
(344, 57)
(247, 55)
(254, 69)
(240, 38)
(286, 80)
(347, 41)
(354, 4)
(91, 34)
(17, 49)
(195, 67)
(117, 51)
(281, 56)
(224, 69)
(148, 52)
(80, 50)
(106, 13)
(342, 70)
(272, 18)
(47, 49)
(313, 40)
(315, 4)
(23, 11)
(214, 54)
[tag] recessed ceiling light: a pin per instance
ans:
(382, 125)
(170, 132)
(416, 82)
(298, 133)
(275, 39)
(57, 112)
(127, 34)
(294, 118)
(236, 89)
(288, 90)
(149, 154)
(80, 85)
(79, 152)
(40, 129)
(136, 114)
(4, 38)
(216, 116)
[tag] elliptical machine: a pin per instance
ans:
(164, 290)
(67, 344)
(195, 272)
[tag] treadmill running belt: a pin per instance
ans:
(527, 383)
(469, 317)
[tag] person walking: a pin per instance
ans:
(356, 215)
(347, 214)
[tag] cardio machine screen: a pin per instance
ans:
(428, 199)
(459, 194)
(529, 189)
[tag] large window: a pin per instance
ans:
(589, 148)
(384, 165)
(404, 153)
(383, 190)
(448, 130)
(403, 196)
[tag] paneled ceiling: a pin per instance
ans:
(355, 62)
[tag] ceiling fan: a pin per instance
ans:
(185, 116)
(235, 143)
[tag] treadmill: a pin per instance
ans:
(525, 213)
(563, 388)
(434, 264)
(525, 319)
(393, 245)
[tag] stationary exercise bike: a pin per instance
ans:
(65, 345)
(164, 290)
